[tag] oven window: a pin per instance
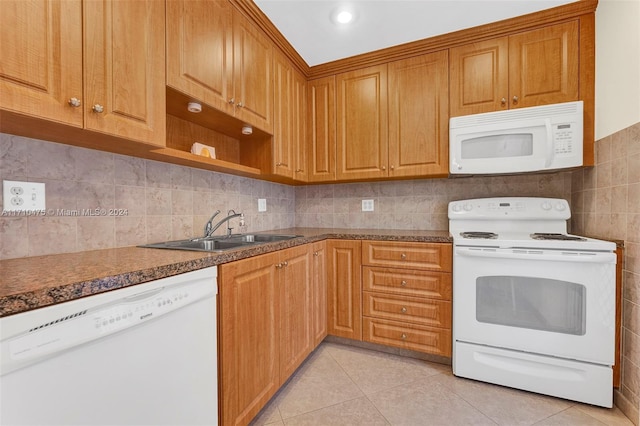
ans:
(498, 146)
(534, 303)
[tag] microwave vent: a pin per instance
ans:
(545, 111)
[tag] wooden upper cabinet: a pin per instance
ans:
(41, 65)
(543, 66)
(479, 77)
(200, 50)
(419, 116)
(124, 62)
(252, 90)
(362, 131)
(531, 68)
(298, 128)
(321, 129)
(282, 116)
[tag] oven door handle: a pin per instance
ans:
(533, 254)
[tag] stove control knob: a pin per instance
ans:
(560, 207)
(546, 205)
(456, 207)
(467, 207)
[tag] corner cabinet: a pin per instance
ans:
(96, 65)
(321, 129)
(289, 106)
(216, 56)
(344, 289)
(527, 69)
(265, 328)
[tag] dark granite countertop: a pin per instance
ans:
(34, 282)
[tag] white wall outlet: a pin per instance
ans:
(262, 204)
(23, 196)
(367, 205)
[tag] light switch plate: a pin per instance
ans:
(262, 204)
(367, 205)
(23, 196)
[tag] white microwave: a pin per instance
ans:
(532, 139)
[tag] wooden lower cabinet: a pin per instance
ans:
(407, 295)
(344, 289)
(264, 329)
(319, 292)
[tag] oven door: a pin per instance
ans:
(553, 302)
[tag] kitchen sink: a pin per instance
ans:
(219, 244)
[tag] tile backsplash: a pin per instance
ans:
(153, 201)
(605, 202)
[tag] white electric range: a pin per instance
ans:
(533, 306)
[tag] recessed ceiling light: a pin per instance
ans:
(344, 17)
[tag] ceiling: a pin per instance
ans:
(378, 24)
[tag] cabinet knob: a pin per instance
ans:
(278, 265)
(403, 310)
(278, 164)
(391, 167)
(515, 100)
(315, 253)
(98, 108)
(231, 101)
(403, 256)
(384, 167)
(503, 101)
(74, 102)
(299, 170)
(285, 263)
(240, 105)
(403, 337)
(403, 283)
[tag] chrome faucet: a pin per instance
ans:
(230, 215)
(208, 225)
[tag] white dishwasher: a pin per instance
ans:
(140, 355)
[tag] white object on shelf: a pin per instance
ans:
(203, 150)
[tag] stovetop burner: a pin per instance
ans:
(480, 235)
(553, 236)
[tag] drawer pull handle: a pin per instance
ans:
(403, 283)
(403, 310)
(403, 337)
(403, 256)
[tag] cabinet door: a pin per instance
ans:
(249, 336)
(124, 64)
(41, 51)
(419, 116)
(479, 77)
(200, 50)
(252, 73)
(298, 128)
(295, 309)
(362, 135)
(319, 292)
(282, 116)
(344, 289)
(321, 129)
(543, 66)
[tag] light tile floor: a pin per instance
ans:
(345, 385)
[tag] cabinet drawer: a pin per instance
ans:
(408, 336)
(405, 282)
(433, 256)
(435, 313)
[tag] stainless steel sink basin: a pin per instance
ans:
(218, 244)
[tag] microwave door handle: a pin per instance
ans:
(550, 150)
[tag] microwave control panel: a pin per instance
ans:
(563, 136)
